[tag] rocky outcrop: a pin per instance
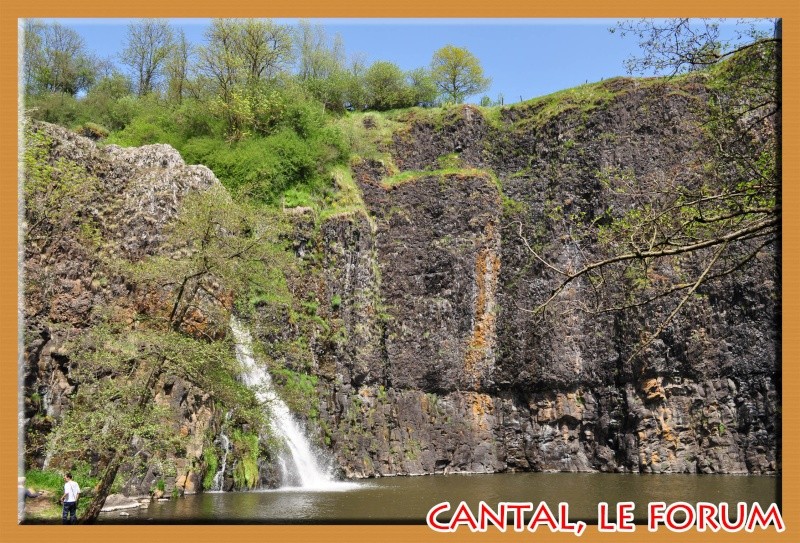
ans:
(471, 381)
(438, 253)
(118, 502)
(133, 194)
(412, 313)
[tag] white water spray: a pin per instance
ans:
(301, 467)
(219, 477)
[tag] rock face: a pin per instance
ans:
(429, 359)
(464, 378)
(117, 502)
(133, 194)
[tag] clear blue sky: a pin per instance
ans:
(524, 57)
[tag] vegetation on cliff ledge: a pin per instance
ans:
(298, 149)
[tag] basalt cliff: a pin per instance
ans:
(428, 356)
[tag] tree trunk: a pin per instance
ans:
(103, 489)
(114, 464)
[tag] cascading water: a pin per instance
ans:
(301, 467)
(219, 477)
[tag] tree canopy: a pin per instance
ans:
(148, 44)
(457, 73)
(56, 59)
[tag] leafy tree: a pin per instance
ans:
(147, 47)
(321, 64)
(115, 405)
(106, 102)
(227, 248)
(56, 60)
(355, 90)
(220, 64)
(266, 48)
(241, 62)
(457, 73)
(423, 87)
(177, 67)
(386, 86)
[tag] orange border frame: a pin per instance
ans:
(11, 10)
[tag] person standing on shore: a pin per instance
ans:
(70, 500)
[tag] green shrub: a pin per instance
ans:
(212, 465)
(58, 108)
(155, 127)
(93, 131)
(299, 391)
(110, 102)
(264, 168)
(245, 451)
(193, 119)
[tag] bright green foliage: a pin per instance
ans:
(53, 191)
(49, 479)
(146, 129)
(56, 60)
(245, 452)
(109, 102)
(265, 168)
(117, 370)
(212, 465)
(114, 406)
(57, 107)
(226, 247)
(238, 57)
(457, 73)
(423, 87)
(299, 391)
(386, 86)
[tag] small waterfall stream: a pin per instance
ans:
(301, 467)
(219, 477)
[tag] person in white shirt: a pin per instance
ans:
(70, 500)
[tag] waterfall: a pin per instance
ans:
(219, 477)
(301, 467)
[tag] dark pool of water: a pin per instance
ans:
(406, 500)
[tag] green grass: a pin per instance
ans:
(415, 175)
(46, 480)
(583, 98)
(346, 198)
(53, 481)
(368, 135)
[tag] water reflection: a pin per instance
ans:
(408, 499)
